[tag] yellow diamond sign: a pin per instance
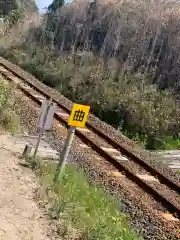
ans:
(79, 115)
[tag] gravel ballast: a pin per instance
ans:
(138, 205)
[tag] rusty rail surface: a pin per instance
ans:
(169, 204)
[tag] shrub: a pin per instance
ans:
(8, 118)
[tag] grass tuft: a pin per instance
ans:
(87, 208)
(9, 120)
(33, 163)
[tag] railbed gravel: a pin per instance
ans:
(112, 132)
(135, 203)
(134, 167)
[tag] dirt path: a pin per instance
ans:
(20, 217)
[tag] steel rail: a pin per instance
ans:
(155, 172)
(169, 204)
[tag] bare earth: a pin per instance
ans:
(20, 217)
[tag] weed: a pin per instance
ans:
(8, 119)
(33, 163)
(86, 207)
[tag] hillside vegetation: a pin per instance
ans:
(122, 58)
(16, 18)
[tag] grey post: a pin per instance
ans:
(38, 142)
(42, 129)
(64, 153)
(27, 150)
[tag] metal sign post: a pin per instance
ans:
(77, 118)
(41, 131)
(64, 154)
(45, 120)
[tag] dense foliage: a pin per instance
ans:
(141, 37)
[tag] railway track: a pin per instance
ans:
(163, 189)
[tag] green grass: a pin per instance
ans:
(89, 209)
(166, 143)
(170, 143)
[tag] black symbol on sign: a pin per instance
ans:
(79, 116)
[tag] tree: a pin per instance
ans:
(56, 4)
(7, 6)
